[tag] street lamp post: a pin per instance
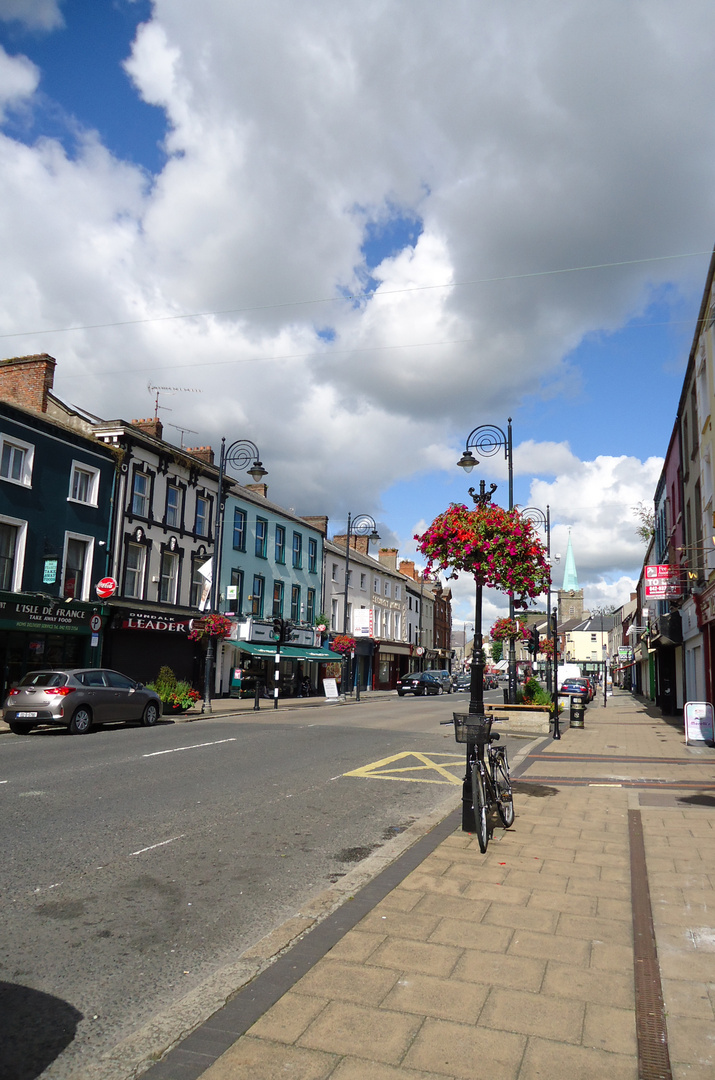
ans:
(239, 456)
(487, 440)
(533, 513)
(601, 611)
(362, 525)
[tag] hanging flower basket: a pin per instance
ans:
(215, 626)
(499, 548)
(508, 630)
(343, 644)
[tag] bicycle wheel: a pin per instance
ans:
(502, 783)
(479, 802)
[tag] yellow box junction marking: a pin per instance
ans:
(386, 769)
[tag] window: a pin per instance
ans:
(140, 495)
(388, 589)
(334, 573)
(593, 637)
(12, 549)
(409, 602)
(173, 506)
(398, 592)
(398, 626)
(280, 544)
(239, 529)
(261, 538)
(202, 516)
(312, 555)
(310, 607)
(84, 484)
(134, 570)
(16, 458)
(197, 581)
(295, 603)
(334, 614)
(387, 623)
(259, 585)
(169, 577)
(363, 581)
(376, 585)
(297, 550)
(277, 599)
(77, 567)
(235, 600)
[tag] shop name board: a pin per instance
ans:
(43, 617)
(156, 622)
(662, 582)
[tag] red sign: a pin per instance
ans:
(106, 587)
(662, 582)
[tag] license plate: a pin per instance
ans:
(25, 715)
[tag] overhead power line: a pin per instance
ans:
(351, 297)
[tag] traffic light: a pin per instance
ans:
(279, 631)
(534, 648)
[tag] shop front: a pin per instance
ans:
(391, 660)
(139, 641)
(300, 671)
(45, 632)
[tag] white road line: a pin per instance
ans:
(162, 844)
(195, 746)
(4, 781)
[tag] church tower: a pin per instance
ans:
(570, 597)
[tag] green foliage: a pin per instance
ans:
(174, 693)
(533, 694)
(497, 651)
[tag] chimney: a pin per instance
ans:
(27, 380)
(320, 523)
(388, 557)
(407, 567)
(359, 543)
(153, 426)
(260, 489)
(203, 453)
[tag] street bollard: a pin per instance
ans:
(257, 697)
(576, 718)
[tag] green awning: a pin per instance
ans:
(290, 652)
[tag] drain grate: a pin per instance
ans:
(653, 1056)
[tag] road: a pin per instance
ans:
(139, 862)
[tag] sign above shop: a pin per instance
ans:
(662, 582)
(47, 616)
(106, 588)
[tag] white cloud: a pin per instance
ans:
(34, 14)
(18, 79)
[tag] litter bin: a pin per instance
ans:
(577, 711)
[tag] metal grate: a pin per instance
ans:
(653, 1056)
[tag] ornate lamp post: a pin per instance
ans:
(362, 525)
(487, 440)
(239, 456)
(538, 517)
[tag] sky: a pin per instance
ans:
(355, 233)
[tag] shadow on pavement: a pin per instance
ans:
(535, 791)
(36, 1028)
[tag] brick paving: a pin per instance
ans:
(519, 964)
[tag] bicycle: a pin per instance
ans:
(488, 774)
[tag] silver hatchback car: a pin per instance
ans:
(77, 698)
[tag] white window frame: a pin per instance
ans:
(398, 592)
(93, 487)
(174, 556)
(206, 518)
(87, 569)
(388, 588)
(176, 524)
(27, 463)
(17, 570)
(363, 582)
(141, 571)
(147, 496)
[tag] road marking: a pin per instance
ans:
(386, 768)
(4, 781)
(162, 844)
(195, 746)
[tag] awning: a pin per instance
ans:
(289, 652)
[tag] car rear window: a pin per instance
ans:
(90, 678)
(44, 678)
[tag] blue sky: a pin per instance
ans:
(513, 238)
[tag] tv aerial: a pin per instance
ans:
(183, 431)
(169, 390)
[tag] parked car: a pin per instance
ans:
(418, 683)
(575, 686)
(444, 676)
(77, 698)
(491, 682)
(463, 681)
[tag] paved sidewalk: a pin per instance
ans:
(519, 964)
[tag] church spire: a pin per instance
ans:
(570, 575)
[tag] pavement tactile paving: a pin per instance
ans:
(518, 964)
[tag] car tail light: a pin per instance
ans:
(13, 692)
(60, 691)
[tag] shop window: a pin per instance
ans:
(202, 516)
(280, 551)
(173, 506)
(12, 553)
(297, 550)
(310, 606)
(312, 555)
(257, 597)
(84, 484)
(16, 459)
(140, 494)
(239, 529)
(295, 603)
(277, 599)
(135, 570)
(169, 577)
(77, 567)
(261, 538)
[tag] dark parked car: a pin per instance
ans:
(418, 683)
(576, 686)
(491, 682)
(444, 676)
(77, 698)
(463, 681)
